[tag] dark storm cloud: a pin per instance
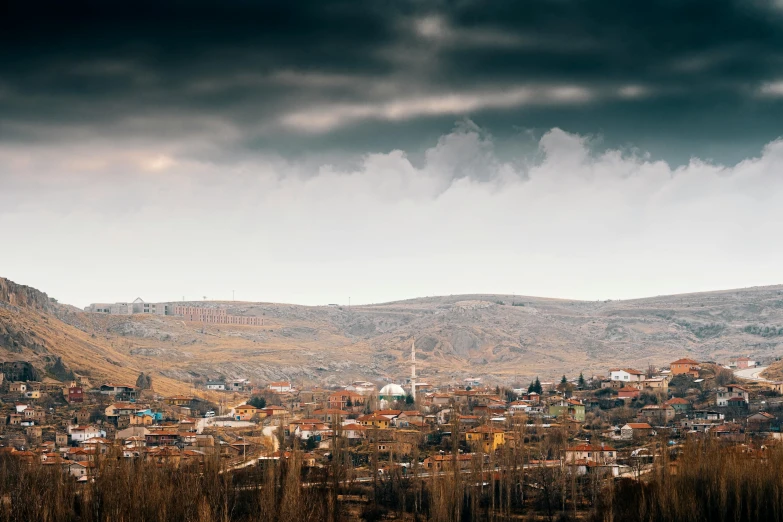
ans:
(357, 74)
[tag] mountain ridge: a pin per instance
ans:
(504, 338)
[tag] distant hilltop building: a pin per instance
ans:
(138, 306)
(201, 314)
(215, 316)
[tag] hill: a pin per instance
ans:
(501, 337)
(30, 330)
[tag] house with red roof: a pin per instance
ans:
(732, 395)
(635, 430)
(597, 453)
(628, 392)
(626, 375)
(685, 366)
(679, 404)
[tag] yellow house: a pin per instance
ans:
(377, 421)
(487, 438)
(245, 412)
(141, 420)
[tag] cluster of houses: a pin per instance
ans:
(606, 418)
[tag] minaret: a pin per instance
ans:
(413, 369)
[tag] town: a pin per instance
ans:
(615, 426)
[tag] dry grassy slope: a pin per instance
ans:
(774, 371)
(31, 331)
(455, 336)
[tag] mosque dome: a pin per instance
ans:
(392, 392)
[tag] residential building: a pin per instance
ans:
(626, 375)
(599, 454)
(245, 412)
(346, 399)
(120, 391)
(679, 404)
(330, 415)
(272, 411)
(732, 391)
(685, 366)
(656, 384)
(761, 421)
(216, 385)
(570, 407)
(82, 433)
(636, 430)
(742, 362)
(628, 392)
(447, 461)
(487, 438)
(17, 387)
(374, 420)
(657, 413)
(280, 387)
(75, 394)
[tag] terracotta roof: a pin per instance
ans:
(461, 456)
(389, 412)
(676, 400)
(372, 417)
(639, 426)
(685, 361)
(485, 429)
(589, 447)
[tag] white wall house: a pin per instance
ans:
(626, 375)
(82, 433)
(280, 387)
(726, 393)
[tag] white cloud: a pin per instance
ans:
(88, 223)
(772, 88)
(327, 117)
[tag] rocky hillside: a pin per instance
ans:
(499, 337)
(31, 331)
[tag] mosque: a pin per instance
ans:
(394, 392)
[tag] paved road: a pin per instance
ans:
(226, 422)
(752, 374)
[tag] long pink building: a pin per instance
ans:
(203, 314)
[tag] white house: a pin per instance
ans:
(626, 375)
(82, 433)
(599, 454)
(729, 392)
(280, 387)
(216, 385)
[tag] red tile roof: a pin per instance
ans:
(590, 447)
(685, 361)
(639, 426)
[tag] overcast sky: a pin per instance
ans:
(310, 151)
